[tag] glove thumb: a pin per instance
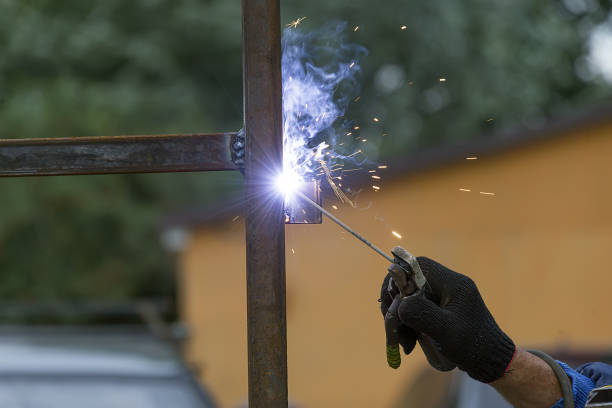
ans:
(424, 316)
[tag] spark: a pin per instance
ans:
(357, 99)
(376, 120)
(485, 193)
(293, 251)
(347, 170)
(442, 79)
(490, 120)
(465, 189)
(353, 154)
(235, 218)
(471, 158)
(339, 193)
(355, 127)
(296, 22)
(371, 171)
(382, 167)
(398, 236)
(356, 28)
(352, 64)
(376, 177)
(403, 27)
(376, 188)
(335, 207)
(364, 140)
(384, 134)
(349, 133)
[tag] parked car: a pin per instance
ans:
(94, 367)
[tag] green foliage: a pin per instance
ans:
(514, 62)
(74, 67)
(96, 236)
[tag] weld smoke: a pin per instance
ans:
(320, 71)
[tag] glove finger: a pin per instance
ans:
(385, 298)
(408, 338)
(424, 316)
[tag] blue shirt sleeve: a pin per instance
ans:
(581, 386)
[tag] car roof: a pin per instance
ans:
(86, 351)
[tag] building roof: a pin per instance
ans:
(490, 144)
(430, 158)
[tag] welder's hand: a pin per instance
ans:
(454, 315)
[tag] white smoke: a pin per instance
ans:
(319, 80)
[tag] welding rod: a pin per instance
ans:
(346, 227)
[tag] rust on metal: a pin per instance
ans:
(115, 154)
(265, 230)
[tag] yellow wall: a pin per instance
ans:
(539, 251)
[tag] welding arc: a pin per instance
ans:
(346, 227)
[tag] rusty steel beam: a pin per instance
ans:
(265, 231)
(115, 154)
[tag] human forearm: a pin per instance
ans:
(529, 382)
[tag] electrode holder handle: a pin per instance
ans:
(407, 279)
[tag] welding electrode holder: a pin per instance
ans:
(407, 279)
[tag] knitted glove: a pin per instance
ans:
(454, 315)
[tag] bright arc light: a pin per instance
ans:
(287, 183)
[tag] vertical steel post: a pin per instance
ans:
(265, 230)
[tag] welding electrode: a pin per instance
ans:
(407, 279)
(346, 227)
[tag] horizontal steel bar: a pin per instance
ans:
(115, 154)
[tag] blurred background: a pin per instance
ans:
(446, 81)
